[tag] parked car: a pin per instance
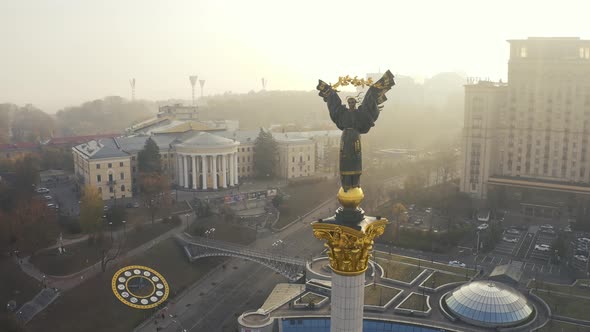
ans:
(547, 226)
(42, 190)
(542, 247)
(47, 197)
(135, 204)
(547, 231)
(483, 226)
(105, 208)
(428, 210)
(510, 239)
(581, 258)
(512, 231)
(567, 229)
(457, 263)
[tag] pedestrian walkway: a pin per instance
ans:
(37, 304)
(64, 283)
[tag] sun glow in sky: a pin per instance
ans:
(58, 53)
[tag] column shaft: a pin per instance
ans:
(235, 168)
(214, 171)
(347, 302)
(204, 170)
(185, 173)
(224, 170)
(230, 160)
(194, 159)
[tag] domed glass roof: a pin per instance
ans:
(485, 303)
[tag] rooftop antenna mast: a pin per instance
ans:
(264, 81)
(202, 83)
(193, 80)
(132, 83)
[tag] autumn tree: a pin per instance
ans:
(155, 192)
(33, 225)
(91, 212)
(265, 154)
(400, 212)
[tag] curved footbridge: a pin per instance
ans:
(198, 247)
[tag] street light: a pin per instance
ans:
(111, 227)
(186, 215)
(210, 232)
(178, 323)
(124, 228)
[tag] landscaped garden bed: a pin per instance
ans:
(438, 279)
(380, 297)
(414, 304)
(406, 273)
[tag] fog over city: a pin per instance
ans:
(62, 53)
(294, 166)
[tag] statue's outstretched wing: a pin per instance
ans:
(380, 88)
(375, 96)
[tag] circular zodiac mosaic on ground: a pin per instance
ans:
(140, 287)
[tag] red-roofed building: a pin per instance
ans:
(17, 150)
(71, 141)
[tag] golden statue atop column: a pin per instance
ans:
(349, 233)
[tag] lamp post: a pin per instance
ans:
(124, 229)
(186, 216)
(111, 227)
(178, 323)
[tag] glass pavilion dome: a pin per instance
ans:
(488, 304)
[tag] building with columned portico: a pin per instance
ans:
(206, 161)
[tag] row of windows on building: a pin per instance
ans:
(99, 177)
(109, 165)
(301, 158)
(112, 189)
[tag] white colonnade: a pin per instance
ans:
(200, 171)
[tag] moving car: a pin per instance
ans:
(42, 190)
(457, 263)
(510, 239)
(542, 247)
(483, 226)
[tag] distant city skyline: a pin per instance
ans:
(63, 53)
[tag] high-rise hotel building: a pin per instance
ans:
(528, 137)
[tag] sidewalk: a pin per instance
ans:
(70, 281)
(182, 303)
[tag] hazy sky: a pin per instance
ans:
(58, 53)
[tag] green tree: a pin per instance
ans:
(91, 212)
(265, 154)
(26, 175)
(148, 159)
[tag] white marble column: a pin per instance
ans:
(194, 159)
(230, 160)
(185, 172)
(347, 301)
(235, 168)
(180, 171)
(214, 171)
(177, 169)
(224, 170)
(204, 170)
